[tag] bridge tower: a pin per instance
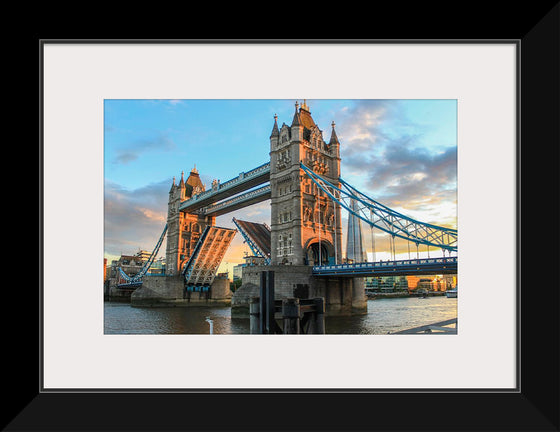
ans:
(183, 229)
(305, 224)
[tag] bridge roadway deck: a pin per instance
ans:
(410, 267)
(243, 200)
(243, 182)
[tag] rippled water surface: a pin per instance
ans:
(383, 316)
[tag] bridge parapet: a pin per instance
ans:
(264, 168)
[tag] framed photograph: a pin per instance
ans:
(488, 364)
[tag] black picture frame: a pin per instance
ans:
(533, 407)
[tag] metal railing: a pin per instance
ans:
(381, 264)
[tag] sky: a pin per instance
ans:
(402, 153)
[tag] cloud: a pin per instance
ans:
(358, 127)
(407, 172)
(383, 155)
(134, 219)
(130, 153)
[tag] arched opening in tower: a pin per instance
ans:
(319, 253)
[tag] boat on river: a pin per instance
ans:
(452, 293)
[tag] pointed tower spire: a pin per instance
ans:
(334, 138)
(275, 131)
(182, 187)
(296, 121)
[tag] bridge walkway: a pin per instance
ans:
(243, 182)
(424, 266)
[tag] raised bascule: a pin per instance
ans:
(302, 245)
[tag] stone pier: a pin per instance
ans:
(343, 296)
(169, 291)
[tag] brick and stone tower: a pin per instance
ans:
(305, 223)
(183, 229)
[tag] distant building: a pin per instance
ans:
(157, 267)
(424, 284)
(354, 243)
(238, 272)
(449, 281)
(386, 283)
(131, 265)
(143, 255)
(250, 260)
(410, 283)
(129, 261)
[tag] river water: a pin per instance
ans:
(383, 316)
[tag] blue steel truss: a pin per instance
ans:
(384, 218)
(138, 276)
(254, 247)
(423, 266)
(187, 269)
(200, 269)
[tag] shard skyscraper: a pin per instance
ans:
(354, 245)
